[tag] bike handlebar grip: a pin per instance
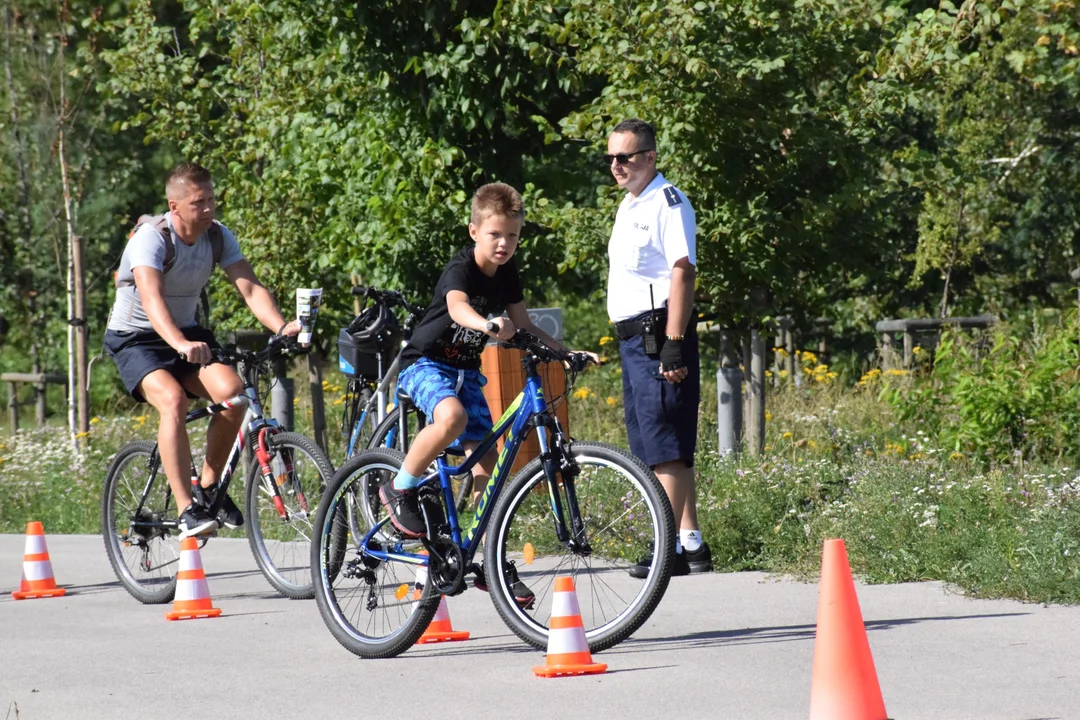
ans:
(359, 290)
(492, 326)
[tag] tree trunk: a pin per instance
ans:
(78, 416)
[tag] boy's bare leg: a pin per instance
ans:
(448, 422)
(167, 396)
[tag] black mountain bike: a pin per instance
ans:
(284, 486)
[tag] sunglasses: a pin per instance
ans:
(623, 158)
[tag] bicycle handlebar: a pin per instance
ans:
(527, 342)
(277, 346)
(391, 298)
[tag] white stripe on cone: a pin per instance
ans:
(564, 604)
(35, 545)
(192, 589)
(567, 640)
(37, 570)
(190, 560)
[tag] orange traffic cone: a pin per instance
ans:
(440, 629)
(192, 599)
(568, 650)
(845, 684)
(37, 573)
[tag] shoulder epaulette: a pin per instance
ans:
(672, 195)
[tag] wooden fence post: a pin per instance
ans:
(318, 405)
(13, 407)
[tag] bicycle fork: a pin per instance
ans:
(558, 463)
(258, 433)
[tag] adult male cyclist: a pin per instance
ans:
(162, 354)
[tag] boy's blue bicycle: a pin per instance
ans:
(582, 509)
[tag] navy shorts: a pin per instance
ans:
(429, 383)
(661, 417)
(139, 353)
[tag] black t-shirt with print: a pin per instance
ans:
(437, 337)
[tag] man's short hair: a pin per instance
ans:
(641, 129)
(183, 177)
(496, 199)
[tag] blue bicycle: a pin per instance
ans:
(582, 509)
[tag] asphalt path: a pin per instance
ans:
(735, 645)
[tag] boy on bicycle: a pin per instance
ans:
(441, 363)
(163, 355)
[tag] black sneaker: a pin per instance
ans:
(195, 520)
(700, 560)
(404, 509)
(679, 566)
(229, 514)
(523, 596)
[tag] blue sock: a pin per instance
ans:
(405, 481)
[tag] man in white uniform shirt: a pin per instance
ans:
(651, 299)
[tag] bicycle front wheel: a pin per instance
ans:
(138, 517)
(626, 515)
(374, 608)
(280, 537)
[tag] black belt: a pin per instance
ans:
(626, 329)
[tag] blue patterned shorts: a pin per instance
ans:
(429, 383)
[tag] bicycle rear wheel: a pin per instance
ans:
(139, 540)
(626, 515)
(280, 538)
(374, 608)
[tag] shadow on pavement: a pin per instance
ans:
(788, 633)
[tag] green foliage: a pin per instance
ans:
(1012, 393)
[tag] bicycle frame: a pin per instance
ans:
(528, 408)
(254, 425)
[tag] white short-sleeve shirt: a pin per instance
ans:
(181, 285)
(652, 232)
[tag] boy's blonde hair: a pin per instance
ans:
(496, 199)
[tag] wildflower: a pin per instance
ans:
(768, 416)
(781, 352)
(956, 456)
(582, 393)
(811, 444)
(786, 436)
(95, 420)
(897, 373)
(768, 373)
(808, 358)
(783, 374)
(916, 350)
(79, 436)
(605, 340)
(610, 400)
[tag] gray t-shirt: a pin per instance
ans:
(182, 284)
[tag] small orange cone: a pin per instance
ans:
(845, 684)
(568, 650)
(440, 629)
(192, 599)
(37, 573)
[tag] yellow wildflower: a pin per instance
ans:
(811, 444)
(81, 435)
(783, 374)
(786, 436)
(956, 456)
(95, 420)
(605, 340)
(893, 449)
(768, 416)
(582, 393)
(610, 400)
(808, 358)
(782, 352)
(768, 373)
(916, 350)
